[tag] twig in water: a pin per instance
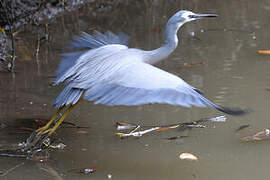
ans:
(38, 46)
(11, 169)
(135, 133)
(51, 171)
(9, 154)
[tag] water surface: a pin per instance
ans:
(232, 74)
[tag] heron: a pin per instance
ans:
(106, 71)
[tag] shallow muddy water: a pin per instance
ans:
(229, 71)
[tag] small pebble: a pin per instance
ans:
(84, 149)
(109, 176)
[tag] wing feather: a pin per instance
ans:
(142, 83)
(98, 39)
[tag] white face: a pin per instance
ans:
(184, 16)
(187, 17)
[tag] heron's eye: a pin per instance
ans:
(191, 16)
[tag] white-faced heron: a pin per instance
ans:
(108, 72)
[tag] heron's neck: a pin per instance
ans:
(170, 43)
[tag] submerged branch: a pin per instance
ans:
(135, 133)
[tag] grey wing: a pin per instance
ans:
(126, 83)
(87, 63)
(98, 39)
(141, 83)
(85, 69)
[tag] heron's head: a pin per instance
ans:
(184, 16)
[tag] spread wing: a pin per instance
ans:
(102, 75)
(141, 83)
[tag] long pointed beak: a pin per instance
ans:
(198, 16)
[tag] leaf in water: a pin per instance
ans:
(265, 52)
(188, 156)
(262, 135)
(242, 127)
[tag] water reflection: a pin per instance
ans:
(232, 74)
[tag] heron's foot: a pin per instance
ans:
(43, 130)
(49, 131)
(36, 140)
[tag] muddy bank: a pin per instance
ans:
(16, 14)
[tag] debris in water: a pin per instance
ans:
(47, 142)
(193, 64)
(58, 146)
(147, 129)
(124, 126)
(87, 170)
(222, 118)
(109, 176)
(242, 127)
(265, 52)
(39, 122)
(188, 156)
(136, 134)
(2, 125)
(262, 135)
(81, 132)
(192, 33)
(40, 158)
(175, 137)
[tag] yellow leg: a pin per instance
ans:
(55, 116)
(53, 129)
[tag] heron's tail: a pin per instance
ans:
(232, 111)
(69, 96)
(227, 110)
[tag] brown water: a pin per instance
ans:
(232, 74)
